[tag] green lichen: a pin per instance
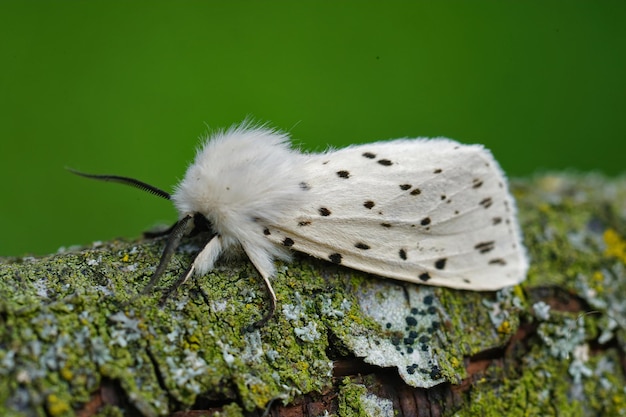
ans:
(403, 331)
(569, 227)
(195, 344)
(572, 228)
(109, 411)
(534, 387)
(70, 321)
(230, 410)
(57, 406)
(488, 321)
(350, 403)
(615, 245)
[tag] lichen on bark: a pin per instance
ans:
(78, 338)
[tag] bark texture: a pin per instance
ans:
(76, 339)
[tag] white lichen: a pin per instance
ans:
(307, 333)
(541, 310)
(375, 406)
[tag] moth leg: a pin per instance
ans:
(180, 281)
(202, 263)
(272, 307)
(177, 233)
(152, 235)
(265, 274)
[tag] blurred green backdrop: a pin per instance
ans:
(129, 87)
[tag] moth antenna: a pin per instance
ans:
(173, 241)
(125, 180)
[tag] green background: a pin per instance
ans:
(129, 87)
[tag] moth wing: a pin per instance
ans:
(429, 211)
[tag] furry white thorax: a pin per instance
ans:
(241, 180)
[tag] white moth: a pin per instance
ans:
(429, 211)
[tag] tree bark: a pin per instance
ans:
(78, 339)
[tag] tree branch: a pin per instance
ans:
(78, 338)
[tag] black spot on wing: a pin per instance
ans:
(361, 245)
(369, 204)
(402, 254)
(266, 232)
(369, 155)
(497, 261)
(405, 187)
(496, 220)
(416, 191)
(288, 242)
(486, 202)
(424, 276)
(335, 258)
(343, 174)
(385, 162)
(440, 263)
(437, 171)
(425, 221)
(485, 247)
(304, 223)
(304, 186)
(387, 225)
(324, 211)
